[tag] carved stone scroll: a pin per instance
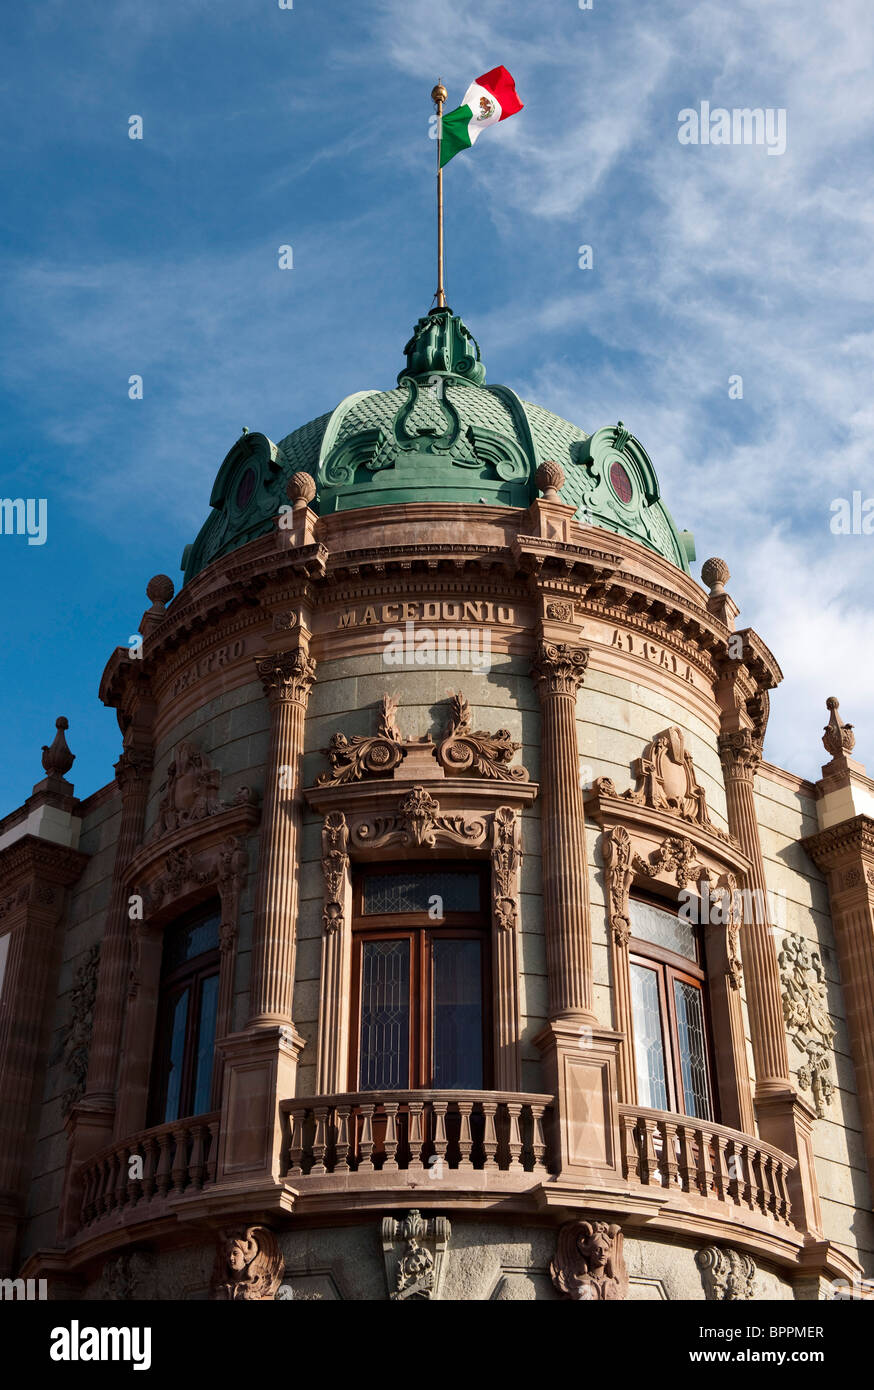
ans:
(419, 823)
(362, 755)
(415, 1253)
(464, 749)
(589, 1264)
(728, 1275)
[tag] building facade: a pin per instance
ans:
(442, 932)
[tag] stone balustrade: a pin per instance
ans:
(684, 1155)
(161, 1162)
(436, 1132)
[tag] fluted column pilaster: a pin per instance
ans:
(740, 761)
(133, 774)
(287, 678)
(558, 671)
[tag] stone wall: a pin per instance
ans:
(785, 815)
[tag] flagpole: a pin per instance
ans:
(438, 96)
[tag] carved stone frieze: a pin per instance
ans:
(191, 793)
(77, 1035)
(419, 822)
(225, 864)
(589, 1264)
(727, 1275)
(335, 865)
(415, 1253)
(249, 1266)
(464, 749)
(558, 668)
(805, 1011)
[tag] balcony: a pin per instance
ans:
(175, 1160)
(491, 1143)
(705, 1168)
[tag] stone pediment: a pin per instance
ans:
(666, 781)
(192, 792)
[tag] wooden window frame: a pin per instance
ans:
(420, 931)
(670, 966)
(192, 975)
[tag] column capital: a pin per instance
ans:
(287, 677)
(558, 668)
(133, 770)
(740, 753)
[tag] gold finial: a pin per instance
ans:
(439, 94)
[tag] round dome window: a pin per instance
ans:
(245, 489)
(621, 483)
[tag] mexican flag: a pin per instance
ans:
(491, 98)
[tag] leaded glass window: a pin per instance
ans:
(649, 1051)
(421, 966)
(669, 1012)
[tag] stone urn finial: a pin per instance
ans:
(838, 738)
(56, 757)
(549, 478)
(300, 490)
(715, 574)
(159, 591)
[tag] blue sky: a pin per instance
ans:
(309, 127)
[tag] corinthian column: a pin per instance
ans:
(740, 761)
(579, 1057)
(558, 671)
(287, 679)
(784, 1118)
(132, 773)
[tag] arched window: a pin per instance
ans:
(669, 1011)
(183, 1064)
(420, 980)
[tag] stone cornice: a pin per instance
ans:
(455, 794)
(626, 586)
(196, 838)
(828, 847)
(721, 850)
(32, 857)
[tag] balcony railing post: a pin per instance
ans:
(416, 1134)
(538, 1138)
(341, 1163)
(365, 1143)
(465, 1140)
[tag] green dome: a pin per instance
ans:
(441, 435)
